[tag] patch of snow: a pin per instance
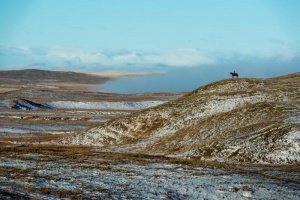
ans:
(10, 117)
(147, 181)
(5, 104)
(54, 129)
(14, 130)
(16, 163)
(247, 194)
(289, 150)
(105, 105)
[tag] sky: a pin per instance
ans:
(255, 37)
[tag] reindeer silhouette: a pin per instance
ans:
(234, 74)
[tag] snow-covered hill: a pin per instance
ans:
(234, 120)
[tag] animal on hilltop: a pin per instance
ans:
(234, 74)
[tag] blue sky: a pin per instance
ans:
(253, 36)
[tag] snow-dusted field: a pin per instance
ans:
(100, 105)
(51, 177)
(105, 105)
(23, 129)
(5, 104)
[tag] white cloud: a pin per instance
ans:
(181, 58)
(126, 58)
(15, 50)
(87, 57)
(275, 50)
(282, 53)
(184, 57)
(177, 58)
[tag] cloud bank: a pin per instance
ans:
(67, 56)
(14, 57)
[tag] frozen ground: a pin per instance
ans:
(23, 104)
(23, 129)
(5, 104)
(100, 176)
(31, 167)
(105, 105)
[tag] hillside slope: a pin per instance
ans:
(234, 120)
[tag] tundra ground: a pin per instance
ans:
(58, 141)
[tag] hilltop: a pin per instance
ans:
(235, 120)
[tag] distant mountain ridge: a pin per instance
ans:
(234, 120)
(36, 75)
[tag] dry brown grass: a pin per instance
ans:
(77, 154)
(31, 138)
(4, 90)
(69, 86)
(91, 154)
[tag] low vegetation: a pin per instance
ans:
(235, 120)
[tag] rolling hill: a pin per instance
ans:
(234, 120)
